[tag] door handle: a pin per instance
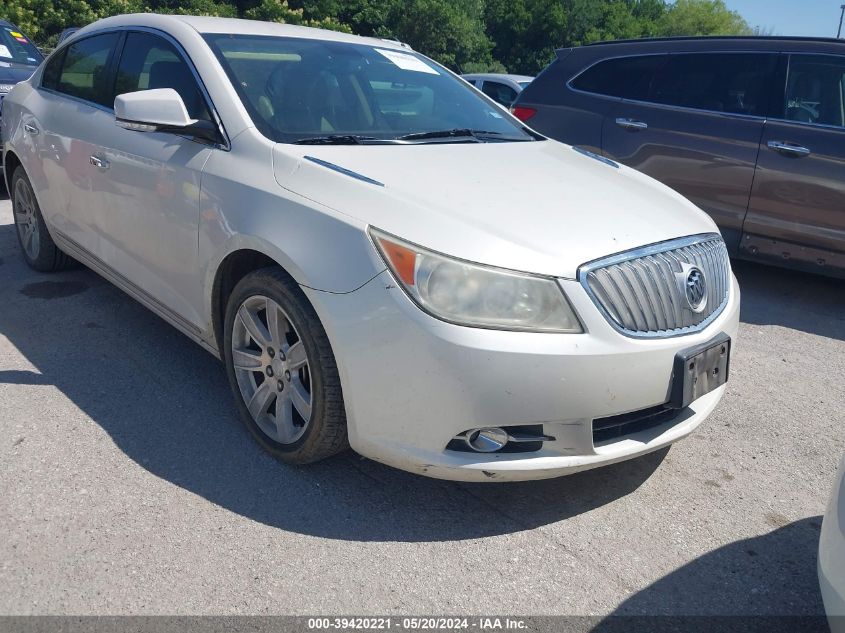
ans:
(31, 129)
(99, 163)
(790, 149)
(631, 124)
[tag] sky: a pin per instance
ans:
(791, 17)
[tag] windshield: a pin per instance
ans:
(15, 48)
(524, 84)
(304, 90)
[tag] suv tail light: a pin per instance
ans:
(522, 113)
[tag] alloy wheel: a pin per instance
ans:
(26, 219)
(271, 369)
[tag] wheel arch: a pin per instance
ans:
(236, 265)
(10, 163)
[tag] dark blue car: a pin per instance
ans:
(19, 58)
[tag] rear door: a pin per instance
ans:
(797, 208)
(695, 124)
(70, 123)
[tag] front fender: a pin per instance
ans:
(320, 248)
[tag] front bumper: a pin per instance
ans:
(412, 383)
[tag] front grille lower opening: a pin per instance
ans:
(619, 426)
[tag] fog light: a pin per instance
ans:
(487, 440)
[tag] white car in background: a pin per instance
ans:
(381, 256)
(502, 88)
(832, 555)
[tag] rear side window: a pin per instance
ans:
(52, 71)
(148, 62)
(499, 92)
(815, 90)
(84, 70)
(626, 77)
(737, 83)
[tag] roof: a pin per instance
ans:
(709, 38)
(516, 78)
(238, 26)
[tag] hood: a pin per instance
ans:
(540, 207)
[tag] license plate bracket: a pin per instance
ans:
(700, 370)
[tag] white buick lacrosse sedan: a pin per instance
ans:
(382, 257)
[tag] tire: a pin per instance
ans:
(38, 248)
(269, 382)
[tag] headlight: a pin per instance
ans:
(471, 294)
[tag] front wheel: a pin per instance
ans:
(282, 370)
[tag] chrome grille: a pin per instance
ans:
(644, 292)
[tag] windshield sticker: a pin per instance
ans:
(21, 40)
(407, 62)
(5, 52)
(15, 34)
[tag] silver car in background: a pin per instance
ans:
(500, 87)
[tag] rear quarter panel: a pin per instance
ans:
(564, 114)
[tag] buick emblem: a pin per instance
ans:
(693, 286)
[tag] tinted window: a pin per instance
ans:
(84, 71)
(499, 92)
(298, 89)
(149, 61)
(628, 77)
(815, 90)
(52, 71)
(721, 82)
(16, 48)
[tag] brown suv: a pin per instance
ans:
(750, 129)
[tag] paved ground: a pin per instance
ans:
(128, 486)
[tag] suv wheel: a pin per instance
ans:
(282, 370)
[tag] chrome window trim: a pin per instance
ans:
(645, 251)
(226, 145)
(751, 117)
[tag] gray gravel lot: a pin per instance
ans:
(128, 486)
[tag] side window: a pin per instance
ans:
(148, 62)
(499, 92)
(737, 83)
(52, 71)
(84, 70)
(626, 77)
(815, 90)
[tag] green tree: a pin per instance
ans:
(702, 17)
(280, 11)
(525, 32)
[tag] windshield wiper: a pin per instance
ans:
(335, 139)
(461, 134)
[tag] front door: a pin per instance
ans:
(149, 222)
(797, 208)
(697, 129)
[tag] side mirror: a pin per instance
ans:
(160, 110)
